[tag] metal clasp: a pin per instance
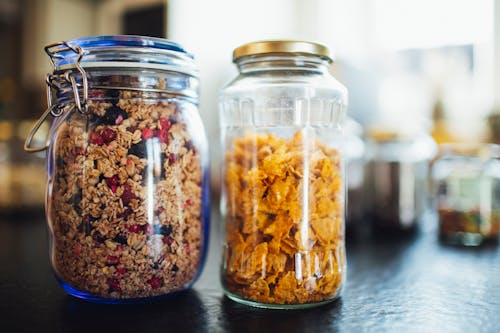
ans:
(55, 110)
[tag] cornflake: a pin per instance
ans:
(284, 221)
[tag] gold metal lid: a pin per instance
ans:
(282, 46)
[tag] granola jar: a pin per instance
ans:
(283, 191)
(466, 183)
(127, 201)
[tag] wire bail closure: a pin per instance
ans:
(54, 109)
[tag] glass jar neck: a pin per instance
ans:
(282, 62)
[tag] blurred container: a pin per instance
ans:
(22, 175)
(397, 178)
(354, 154)
(466, 183)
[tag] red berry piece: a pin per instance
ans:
(147, 133)
(112, 260)
(108, 135)
(78, 151)
(135, 228)
(95, 137)
(164, 124)
(112, 181)
(172, 159)
(127, 194)
(119, 119)
(187, 203)
(114, 284)
(163, 136)
(77, 249)
(120, 271)
(132, 129)
(155, 282)
(168, 240)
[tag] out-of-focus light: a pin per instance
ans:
(401, 24)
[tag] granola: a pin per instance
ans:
(284, 220)
(125, 208)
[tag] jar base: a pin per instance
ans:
(463, 238)
(254, 304)
(89, 297)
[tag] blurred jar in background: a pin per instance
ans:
(354, 147)
(466, 183)
(22, 175)
(397, 178)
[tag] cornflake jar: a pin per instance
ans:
(283, 195)
(466, 179)
(127, 196)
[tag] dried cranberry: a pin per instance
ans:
(77, 249)
(147, 133)
(172, 159)
(112, 181)
(135, 228)
(163, 136)
(155, 282)
(108, 135)
(127, 194)
(78, 151)
(187, 203)
(132, 129)
(114, 284)
(159, 211)
(96, 138)
(168, 240)
(164, 124)
(121, 271)
(112, 260)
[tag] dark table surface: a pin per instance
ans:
(411, 284)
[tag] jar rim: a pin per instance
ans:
(298, 47)
(116, 50)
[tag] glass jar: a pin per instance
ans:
(22, 176)
(127, 195)
(466, 182)
(397, 180)
(283, 192)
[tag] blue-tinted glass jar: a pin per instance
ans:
(127, 197)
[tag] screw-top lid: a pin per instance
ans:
(282, 46)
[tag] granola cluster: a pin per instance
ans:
(125, 206)
(284, 220)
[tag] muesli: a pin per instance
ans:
(125, 209)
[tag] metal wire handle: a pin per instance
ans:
(54, 109)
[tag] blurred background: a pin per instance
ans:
(421, 65)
